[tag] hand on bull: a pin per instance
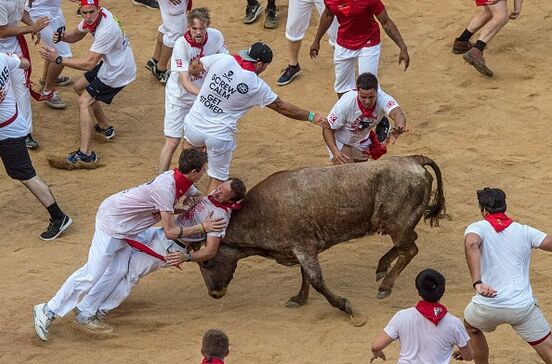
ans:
(378, 354)
(213, 225)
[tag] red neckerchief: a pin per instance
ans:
(434, 312)
(212, 361)
(246, 65)
(181, 182)
(366, 112)
(92, 27)
(225, 205)
(195, 44)
(499, 221)
(26, 54)
(146, 249)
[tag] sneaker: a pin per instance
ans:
(160, 75)
(60, 81)
(55, 228)
(54, 101)
(41, 321)
(30, 142)
(150, 4)
(109, 132)
(289, 74)
(165, 77)
(79, 156)
(271, 18)
(461, 46)
(475, 57)
(383, 130)
(252, 13)
(151, 64)
(101, 315)
(95, 326)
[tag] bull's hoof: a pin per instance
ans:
(383, 294)
(295, 302)
(357, 320)
(380, 275)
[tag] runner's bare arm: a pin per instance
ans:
(381, 342)
(546, 244)
(472, 248)
(83, 64)
(294, 112)
(72, 36)
(329, 139)
(31, 27)
(196, 68)
(326, 20)
(175, 231)
(393, 32)
(399, 120)
(187, 83)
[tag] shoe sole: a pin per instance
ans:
(144, 5)
(460, 51)
(38, 329)
(56, 106)
(483, 69)
(94, 331)
(111, 136)
(255, 16)
(288, 81)
(65, 83)
(63, 228)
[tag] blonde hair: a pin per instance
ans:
(202, 14)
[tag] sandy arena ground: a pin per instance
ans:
(480, 131)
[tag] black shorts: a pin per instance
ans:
(16, 159)
(99, 90)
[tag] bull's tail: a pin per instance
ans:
(436, 210)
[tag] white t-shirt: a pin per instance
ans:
(505, 261)
(227, 93)
(19, 127)
(111, 40)
(44, 6)
(11, 12)
(183, 55)
(350, 125)
(198, 214)
(173, 9)
(132, 211)
(423, 342)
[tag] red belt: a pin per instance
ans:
(26, 54)
(146, 249)
(10, 120)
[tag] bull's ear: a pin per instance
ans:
(208, 263)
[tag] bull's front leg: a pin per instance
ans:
(302, 297)
(310, 267)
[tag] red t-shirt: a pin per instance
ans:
(357, 26)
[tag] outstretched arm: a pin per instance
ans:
(174, 231)
(294, 112)
(393, 32)
(399, 120)
(381, 342)
(83, 64)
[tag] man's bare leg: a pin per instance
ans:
(40, 190)
(499, 18)
(480, 18)
(86, 122)
(164, 57)
(99, 114)
(544, 349)
(158, 45)
(293, 48)
(213, 184)
(167, 152)
(45, 70)
(53, 72)
(478, 344)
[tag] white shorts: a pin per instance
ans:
(56, 20)
(357, 149)
(174, 119)
(529, 322)
(345, 59)
(219, 152)
(175, 23)
(299, 16)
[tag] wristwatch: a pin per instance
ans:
(188, 257)
(59, 59)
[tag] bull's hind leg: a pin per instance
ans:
(301, 298)
(406, 249)
(310, 267)
(385, 262)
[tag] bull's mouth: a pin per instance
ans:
(219, 293)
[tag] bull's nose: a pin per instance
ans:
(217, 293)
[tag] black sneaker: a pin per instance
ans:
(271, 18)
(30, 142)
(151, 63)
(78, 156)
(289, 74)
(55, 228)
(150, 4)
(108, 133)
(252, 13)
(160, 75)
(383, 129)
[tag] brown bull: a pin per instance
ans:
(292, 216)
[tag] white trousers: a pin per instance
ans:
(299, 16)
(174, 118)
(175, 21)
(345, 61)
(56, 20)
(102, 251)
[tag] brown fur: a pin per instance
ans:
(292, 216)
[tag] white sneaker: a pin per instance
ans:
(95, 326)
(41, 321)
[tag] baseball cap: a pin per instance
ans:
(258, 52)
(90, 2)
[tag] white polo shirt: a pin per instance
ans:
(348, 121)
(111, 40)
(227, 93)
(11, 12)
(19, 127)
(423, 342)
(183, 55)
(505, 261)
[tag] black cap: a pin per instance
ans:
(258, 52)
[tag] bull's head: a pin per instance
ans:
(218, 271)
